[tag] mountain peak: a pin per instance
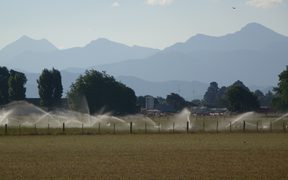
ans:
(27, 44)
(24, 37)
(103, 42)
(254, 27)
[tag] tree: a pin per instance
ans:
(102, 92)
(222, 100)
(141, 101)
(176, 101)
(57, 87)
(196, 102)
(50, 88)
(16, 84)
(264, 99)
(241, 100)
(280, 101)
(240, 84)
(211, 95)
(267, 101)
(4, 76)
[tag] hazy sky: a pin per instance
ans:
(152, 23)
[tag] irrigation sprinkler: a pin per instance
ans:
(63, 127)
(131, 128)
(35, 129)
(257, 126)
(230, 126)
(99, 128)
(48, 128)
(244, 126)
(187, 127)
(159, 128)
(173, 127)
(271, 126)
(145, 127)
(284, 126)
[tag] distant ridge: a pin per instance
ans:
(255, 54)
(253, 36)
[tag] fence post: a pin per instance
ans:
(131, 130)
(82, 129)
(217, 126)
(203, 125)
(6, 128)
(114, 129)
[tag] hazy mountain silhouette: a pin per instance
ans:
(31, 55)
(26, 44)
(251, 37)
(255, 55)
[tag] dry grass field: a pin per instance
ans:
(154, 156)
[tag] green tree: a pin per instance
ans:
(4, 76)
(101, 91)
(222, 100)
(16, 84)
(241, 100)
(141, 101)
(50, 88)
(268, 99)
(176, 101)
(240, 84)
(57, 87)
(280, 101)
(211, 95)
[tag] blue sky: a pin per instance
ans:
(151, 23)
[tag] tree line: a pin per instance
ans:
(100, 92)
(236, 97)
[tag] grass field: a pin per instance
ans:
(154, 156)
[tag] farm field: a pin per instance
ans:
(145, 156)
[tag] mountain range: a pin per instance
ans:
(255, 55)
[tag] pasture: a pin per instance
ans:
(145, 156)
